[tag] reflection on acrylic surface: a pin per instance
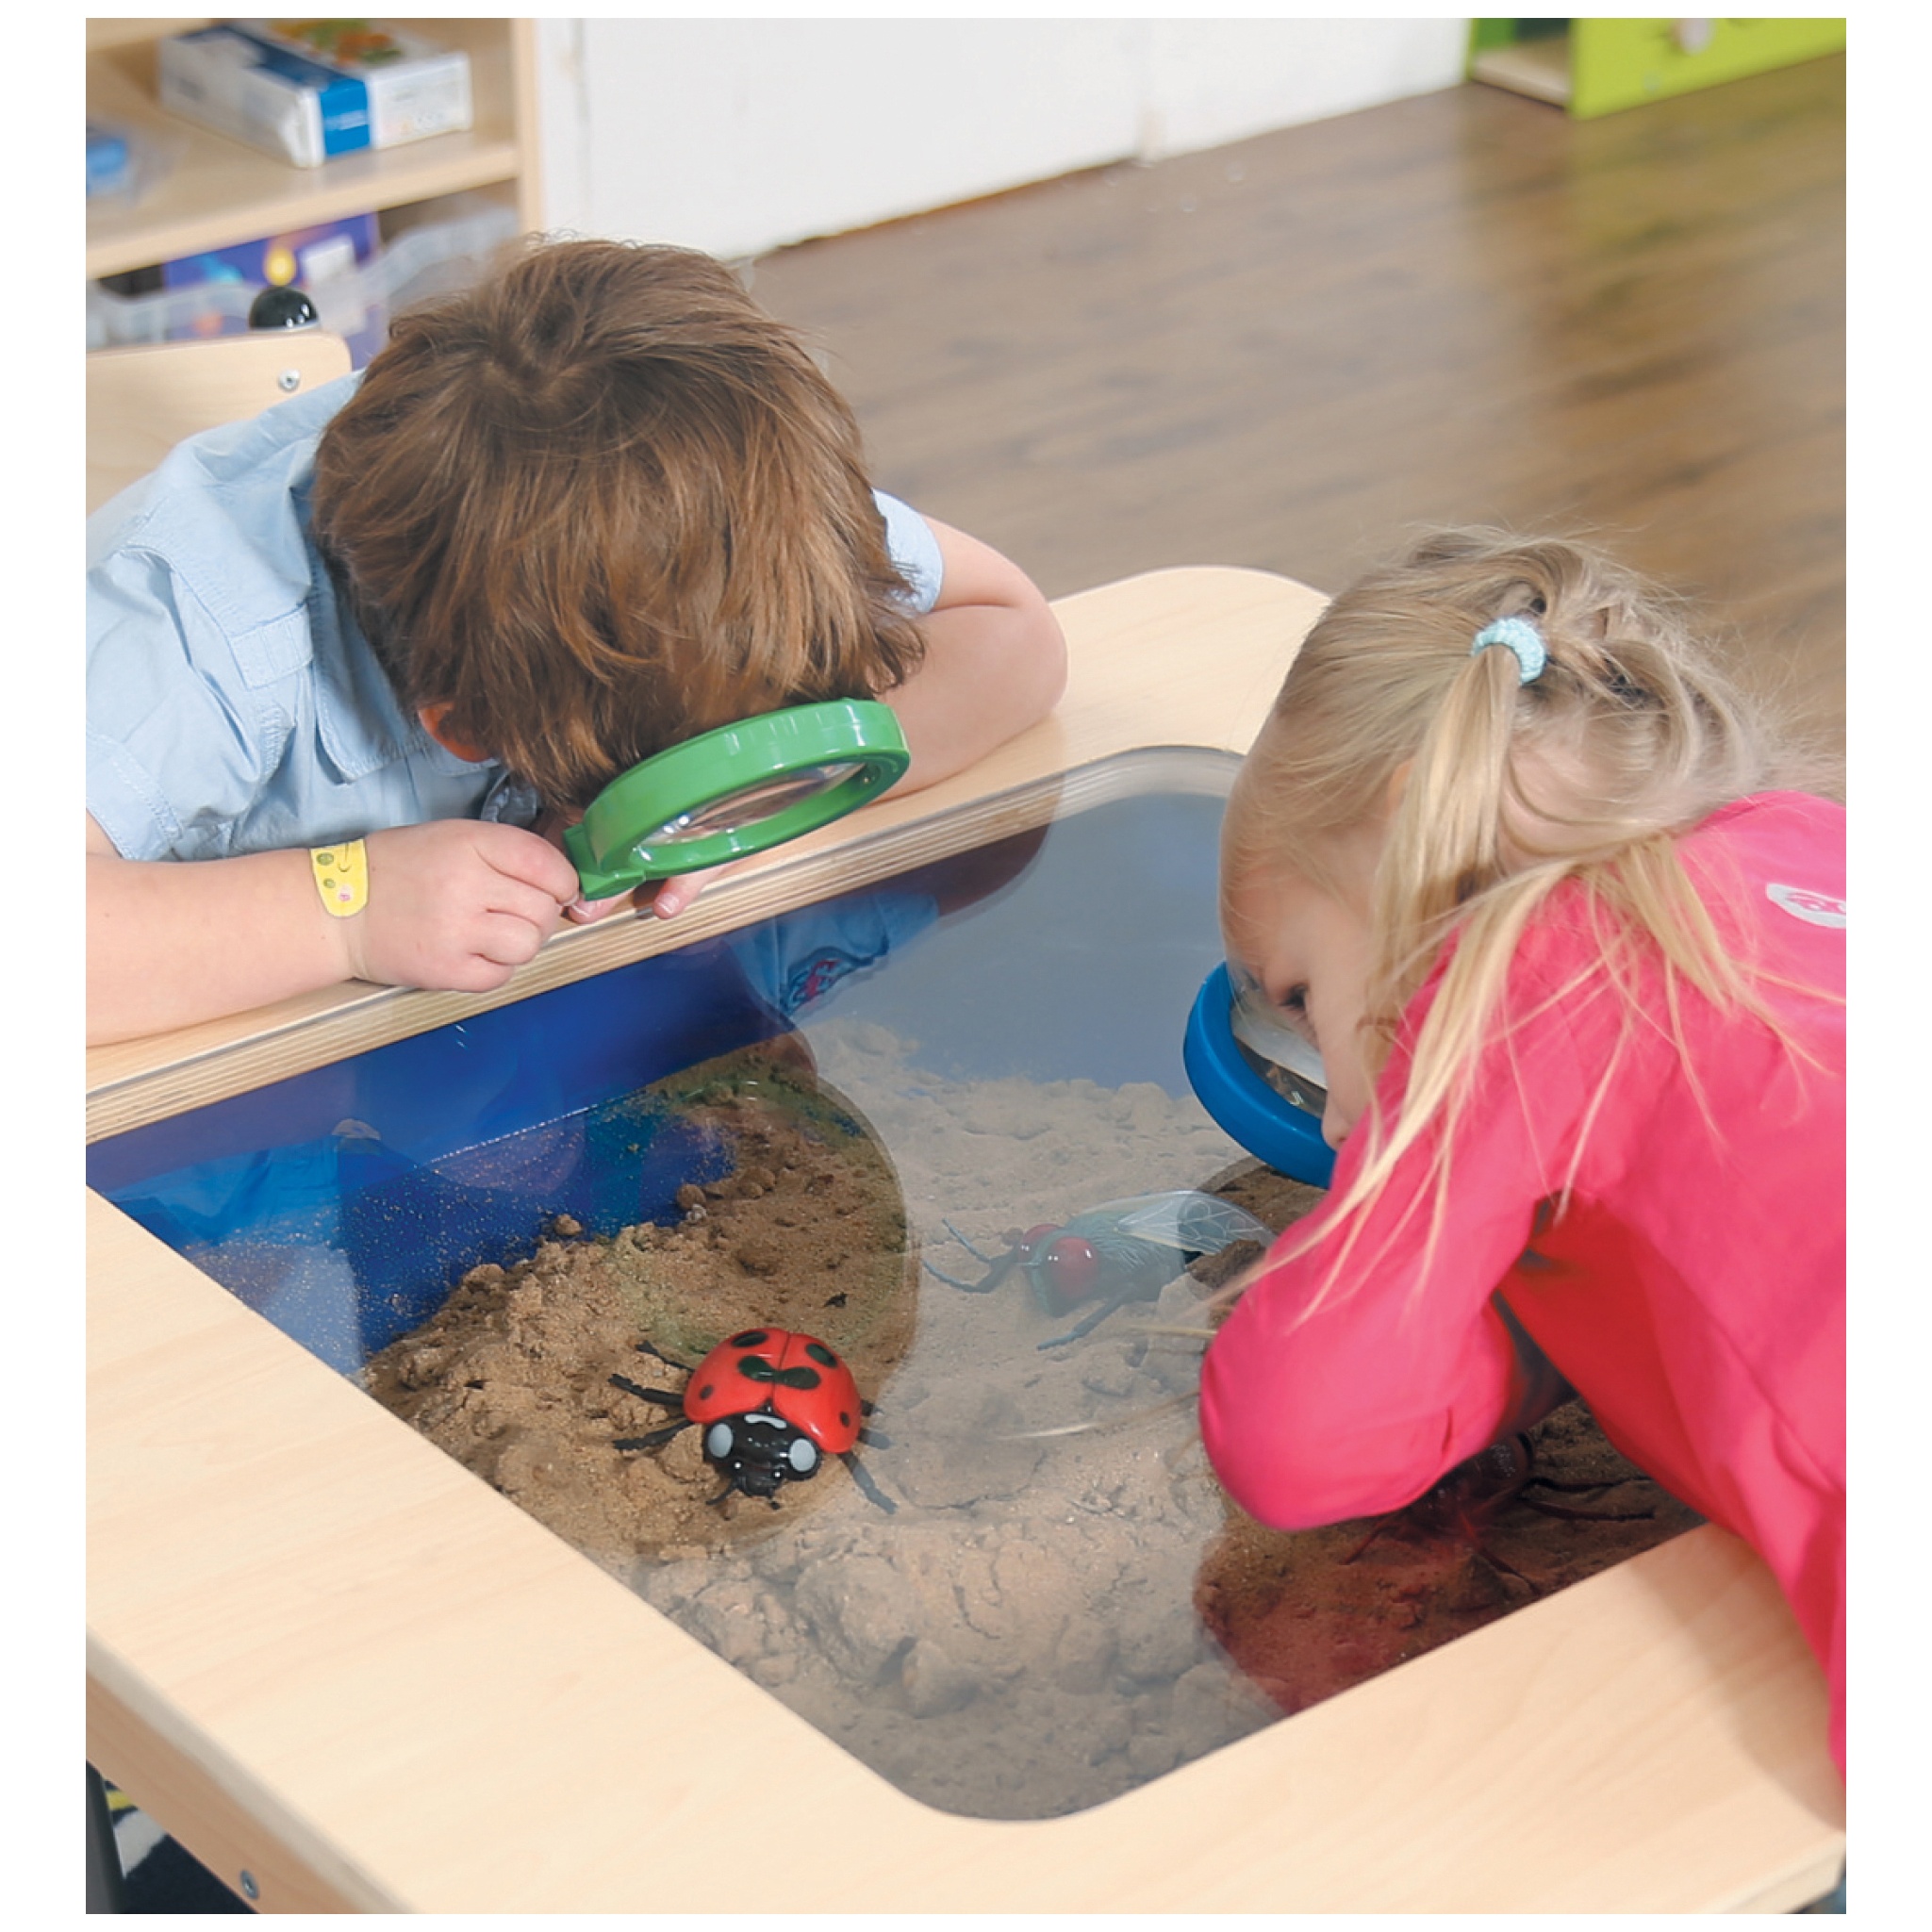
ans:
(838, 1123)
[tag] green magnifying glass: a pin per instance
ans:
(742, 789)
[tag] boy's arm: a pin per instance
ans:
(458, 904)
(996, 662)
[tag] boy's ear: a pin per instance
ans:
(431, 716)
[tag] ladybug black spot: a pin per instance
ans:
(750, 1339)
(845, 1421)
(821, 1354)
(704, 1394)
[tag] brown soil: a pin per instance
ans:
(513, 1375)
(1063, 1603)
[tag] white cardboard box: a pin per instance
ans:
(309, 99)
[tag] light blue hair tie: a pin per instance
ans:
(1520, 637)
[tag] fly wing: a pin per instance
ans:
(1182, 1218)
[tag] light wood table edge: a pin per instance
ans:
(234, 1826)
(1125, 693)
(294, 1600)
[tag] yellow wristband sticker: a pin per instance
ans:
(341, 877)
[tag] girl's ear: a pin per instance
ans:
(433, 716)
(1398, 784)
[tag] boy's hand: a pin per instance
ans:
(666, 899)
(458, 904)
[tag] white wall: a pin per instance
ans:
(737, 136)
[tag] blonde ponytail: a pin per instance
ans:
(1629, 734)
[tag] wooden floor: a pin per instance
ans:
(1463, 306)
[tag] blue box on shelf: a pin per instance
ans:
(311, 257)
(110, 160)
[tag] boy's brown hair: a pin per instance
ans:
(601, 504)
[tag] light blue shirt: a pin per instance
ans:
(232, 703)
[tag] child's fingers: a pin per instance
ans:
(586, 912)
(529, 905)
(534, 862)
(667, 899)
(508, 938)
(675, 895)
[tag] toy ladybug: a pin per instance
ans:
(773, 1405)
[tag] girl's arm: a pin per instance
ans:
(996, 662)
(1323, 1400)
(1316, 1411)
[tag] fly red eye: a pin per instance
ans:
(1073, 1265)
(1029, 1241)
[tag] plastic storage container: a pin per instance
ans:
(429, 259)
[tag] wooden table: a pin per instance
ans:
(322, 1655)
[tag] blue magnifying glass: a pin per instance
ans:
(1263, 1085)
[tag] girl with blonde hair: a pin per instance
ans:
(1524, 868)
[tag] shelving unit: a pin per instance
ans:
(1601, 66)
(218, 192)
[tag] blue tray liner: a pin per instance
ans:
(357, 1171)
(344, 1202)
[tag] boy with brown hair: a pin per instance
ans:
(588, 510)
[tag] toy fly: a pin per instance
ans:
(1121, 1251)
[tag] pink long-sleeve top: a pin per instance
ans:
(1692, 1287)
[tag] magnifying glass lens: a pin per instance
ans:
(1286, 1059)
(737, 790)
(740, 811)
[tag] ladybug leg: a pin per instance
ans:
(662, 1397)
(873, 1439)
(733, 1489)
(663, 1400)
(868, 1488)
(656, 1440)
(669, 1361)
